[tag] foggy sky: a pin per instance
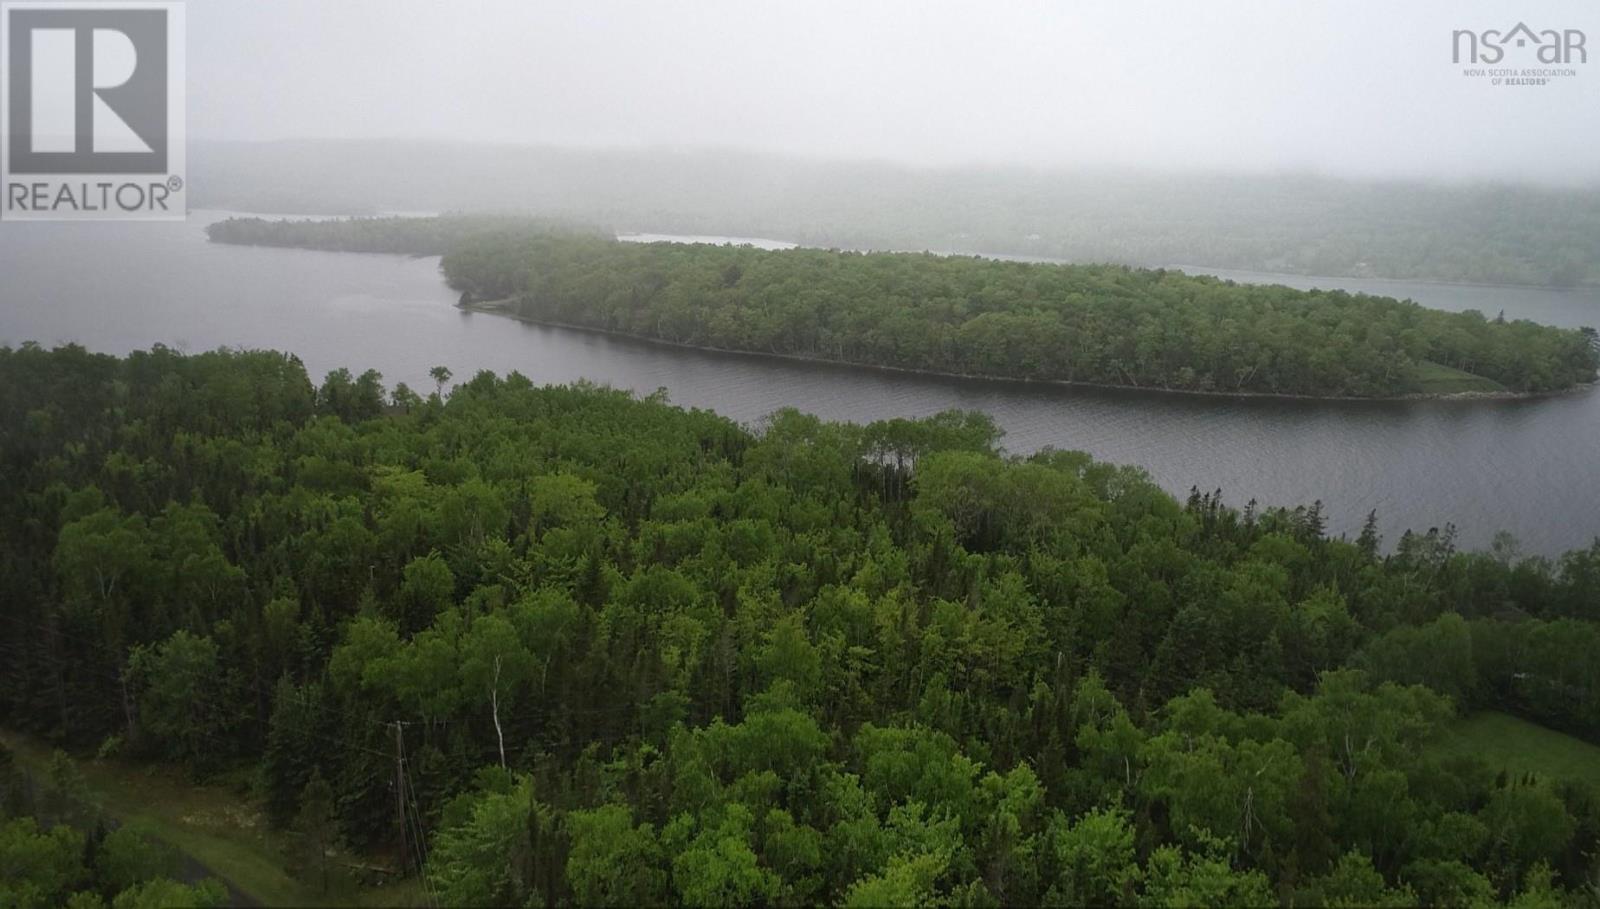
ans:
(1343, 87)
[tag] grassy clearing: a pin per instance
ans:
(219, 828)
(1438, 379)
(1517, 746)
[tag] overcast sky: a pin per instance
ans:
(1349, 87)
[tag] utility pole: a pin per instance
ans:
(400, 790)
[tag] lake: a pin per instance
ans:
(1531, 467)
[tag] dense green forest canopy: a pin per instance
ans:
(1097, 324)
(634, 654)
(1479, 232)
(1077, 323)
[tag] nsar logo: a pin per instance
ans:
(1490, 45)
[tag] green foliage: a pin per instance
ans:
(318, 823)
(295, 731)
(404, 236)
(1353, 882)
(715, 864)
(41, 866)
(1096, 324)
(1204, 878)
(51, 867)
(428, 588)
(1438, 655)
(486, 860)
(908, 881)
(612, 862)
(130, 855)
(1527, 825)
(1094, 859)
(162, 893)
(65, 798)
(801, 664)
(173, 679)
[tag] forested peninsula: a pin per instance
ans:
(607, 651)
(1089, 324)
(395, 235)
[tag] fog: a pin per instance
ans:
(1353, 88)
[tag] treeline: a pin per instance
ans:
(1476, 232)
(1078, 323)
(636, 655)
(411, 236)
(1104, 324)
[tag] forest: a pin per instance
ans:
(1096, 324)
(1092, 324)
(408, 236)
(623, 653)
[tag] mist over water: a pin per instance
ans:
(1357, 88)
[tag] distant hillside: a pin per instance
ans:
(1490, 234)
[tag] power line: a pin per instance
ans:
(422, 840)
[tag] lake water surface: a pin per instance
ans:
(1531, 467)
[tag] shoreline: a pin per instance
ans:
(1211, 270)
(501, 308)
(632, 235)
